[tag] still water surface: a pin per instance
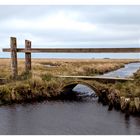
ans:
(86, 117)
(125, 72)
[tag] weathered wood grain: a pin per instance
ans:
(13, 45)
(27, 56)
(76, 50)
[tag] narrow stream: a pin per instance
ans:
(86, 117)
(125, 72)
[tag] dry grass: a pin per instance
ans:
(64, 66)
(130, 89)
(41, 83)
(76, 67)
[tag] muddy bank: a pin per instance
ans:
(108, 96)
(26, 95)
(128, 105)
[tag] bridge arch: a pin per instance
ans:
(70, 85)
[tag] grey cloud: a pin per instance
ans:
(96, 14)
(114, 22)
(71, 35)
(112, 14)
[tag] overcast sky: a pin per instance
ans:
(71, 26)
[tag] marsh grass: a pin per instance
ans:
(42, 83)
(130, 89)
(31, 89)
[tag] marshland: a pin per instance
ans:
(38, 94)
(42, 83)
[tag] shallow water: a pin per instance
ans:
(85, 117)
(127, 71)
(88, 117)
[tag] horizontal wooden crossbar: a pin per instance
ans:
(75, 50)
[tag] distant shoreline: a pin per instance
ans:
(80, 58)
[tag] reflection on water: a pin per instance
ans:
(83, 89)
(63, 117)
(84, 92)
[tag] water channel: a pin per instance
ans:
(85, 117)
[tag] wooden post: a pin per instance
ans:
(27, 56)
(13, 45)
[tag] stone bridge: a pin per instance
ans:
(97, 83)
(93, 84)
(105, 92)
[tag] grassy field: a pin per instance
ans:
(64, 66)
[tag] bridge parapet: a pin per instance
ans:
(99, 78)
